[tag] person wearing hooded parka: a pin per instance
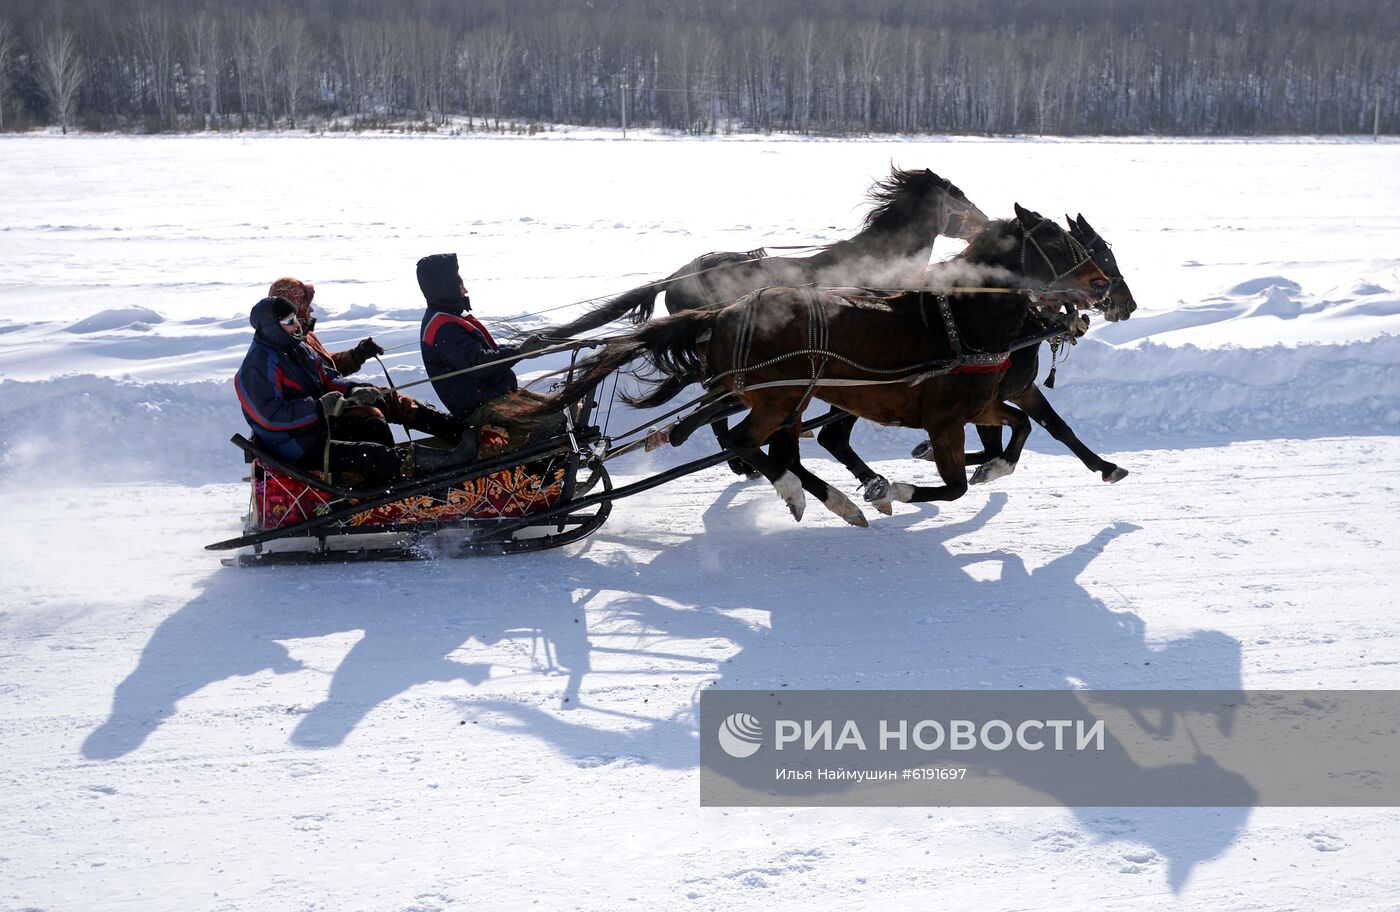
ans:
(395, 407)
(292, 400)
(469, 370)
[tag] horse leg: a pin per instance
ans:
(994, 416)
(1038, 407)
(990, 435)
(835, 438)
(947, 451)
(740, 466)
(748, 436)
(783, 447)
(712, 414)
(991, 447)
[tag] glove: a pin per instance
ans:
(365, 395)
(332, 404)
(368, 348)
(532, 343)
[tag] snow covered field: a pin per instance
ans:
(520, 732)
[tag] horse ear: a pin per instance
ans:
(1070, 222)
(1026, 217)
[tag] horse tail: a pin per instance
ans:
(638, 304)
(671, 347)
(664, 391)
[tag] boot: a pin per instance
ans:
(427, 420)
(429, 459)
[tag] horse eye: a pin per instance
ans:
(1101, 283)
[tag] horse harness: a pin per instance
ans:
(819, 354)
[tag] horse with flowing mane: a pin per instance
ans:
(912, 208)
(914, 359)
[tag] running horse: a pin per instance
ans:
(912, 209)
(918, 358)
(1018, 387)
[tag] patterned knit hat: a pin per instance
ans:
(295, 290)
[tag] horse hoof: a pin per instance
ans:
(876, 489)
(790, 490)
(923, 450)
(1116, 475)
(991, 471)
(842, 506)
(899, 491)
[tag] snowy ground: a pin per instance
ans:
(511, 732)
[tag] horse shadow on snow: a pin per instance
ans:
(904, 611)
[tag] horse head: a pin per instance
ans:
(915, 206)
(1120, 304)
(1050, 255)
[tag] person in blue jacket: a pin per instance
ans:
(453, 340)
(293, 401)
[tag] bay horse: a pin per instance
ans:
(912, 359)
(912, 209)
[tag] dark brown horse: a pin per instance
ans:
(912, 208)
(914, 359)
(1018, 387)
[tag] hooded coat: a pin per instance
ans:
(452, 339)
(281, 383)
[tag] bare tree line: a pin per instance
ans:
(1190, 67)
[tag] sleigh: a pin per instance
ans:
(521, 500)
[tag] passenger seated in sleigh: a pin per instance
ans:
(470, 372)
(304, 413)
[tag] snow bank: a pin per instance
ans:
(78, 427)
(122, 317)
(1153, 392)
(1115, 398)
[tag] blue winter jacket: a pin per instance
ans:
(451, 339)
(280, 386)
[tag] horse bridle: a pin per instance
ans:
(957, 217)
(1078, 249)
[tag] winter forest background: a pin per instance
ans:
(1190, 67)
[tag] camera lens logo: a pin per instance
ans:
(740, 735)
